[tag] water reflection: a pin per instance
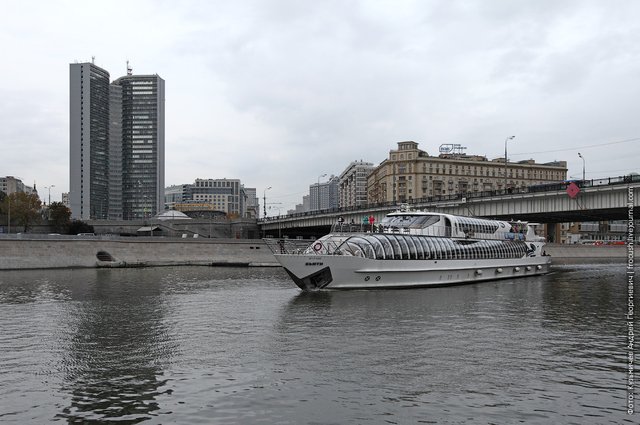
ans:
(116, 345)
(245, 346)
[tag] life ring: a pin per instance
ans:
(317, 246)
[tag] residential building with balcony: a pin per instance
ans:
(352, 186)
(410, 173)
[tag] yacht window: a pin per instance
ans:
(456, 250)
(433, 251)
(404, 247)
(424, 221)
(460, 253)
(443, 249)
(413, 250)
(378, 246)
(386, 244)
(422, 245)
(396, 250)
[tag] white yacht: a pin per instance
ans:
(415, 248)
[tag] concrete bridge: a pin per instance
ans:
(600, 199)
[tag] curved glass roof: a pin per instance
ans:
(383, 246)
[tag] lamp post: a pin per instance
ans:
(49, 187)
(583, 165)
(264, 199)
(279, 220)
(9, 215)
(318, 192)
(505, 160)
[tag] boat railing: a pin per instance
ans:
(287, 246)
(434, 231)
(351, 228)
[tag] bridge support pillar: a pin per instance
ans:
(553, 232)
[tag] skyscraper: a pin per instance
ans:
(89, 141)
(142, 145)
(116, 144)
(115, 152)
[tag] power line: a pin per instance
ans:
(635, 139)
(612, 171)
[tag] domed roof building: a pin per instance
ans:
(172, 215)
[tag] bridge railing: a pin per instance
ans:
(548, 187)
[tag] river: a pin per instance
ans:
(245, 346)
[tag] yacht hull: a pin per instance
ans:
(312, 272)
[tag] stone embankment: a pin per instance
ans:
(564, 253)
(96, 251)
(43, 252)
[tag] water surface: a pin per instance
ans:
(245, 346)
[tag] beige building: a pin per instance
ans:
(10, 184)
(352, 189)
(410, 173)
(218, 202)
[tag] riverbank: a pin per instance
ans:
(92, 252)
(52, 252)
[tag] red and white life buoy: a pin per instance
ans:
(317, 246)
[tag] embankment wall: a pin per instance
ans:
(560, 253)
(132, 252)
(67, 252)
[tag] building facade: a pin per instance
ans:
(65, 200)
(116, 144)
(142, 145)
(10, 184)
(115, 152)
(324, 195)
(228, 196)
(410, 173)
(176, 194)
(305, 206)
(89, 141)
(253, 203)
(352, 187)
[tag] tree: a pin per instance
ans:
(24, 207)
(59, 217)
(3, 209)
(79, 226)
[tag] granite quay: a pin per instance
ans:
(51, 251)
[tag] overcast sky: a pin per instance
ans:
(276, 93)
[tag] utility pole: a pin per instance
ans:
(505, 161)
(264, 198)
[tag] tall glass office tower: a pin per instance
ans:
(89, 141)
(116, 144)
(142, 145)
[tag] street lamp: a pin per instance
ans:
(279, 220)
(264, 198)
(505, 160)
(49, 187)
(318, 192)
(583, 164)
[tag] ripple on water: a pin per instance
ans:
(205, 345)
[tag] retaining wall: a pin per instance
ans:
(65, 252)
(131, 252)
(561, 252)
